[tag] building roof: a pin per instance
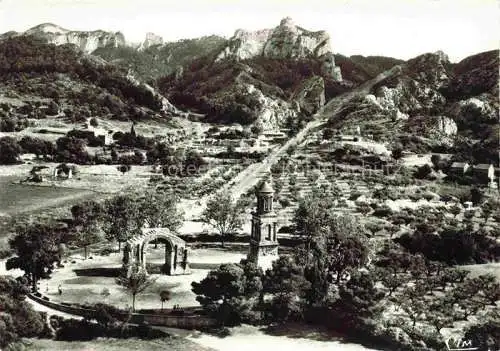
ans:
(266, 188)
(483, 166)
(459, 164)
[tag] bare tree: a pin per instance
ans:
(135, 282)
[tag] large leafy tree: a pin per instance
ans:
(358, 302)
(313, 214)
(36, 248)
(231, 293)
(223, 214)
(36, 146)
(334, 245)
(286, 282)
(340, 247)
(121, 218)
(158, 208)
(17, 317)
(9, 150)
(86, 223)
(71, 149)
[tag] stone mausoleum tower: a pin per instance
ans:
(263, 243)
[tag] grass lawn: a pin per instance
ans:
(171, 344)
(80, 287)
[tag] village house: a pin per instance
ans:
(460, 168)
(486, 172)
(100, 133)
(64, 171)
(348, 137)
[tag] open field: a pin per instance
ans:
(19, 198)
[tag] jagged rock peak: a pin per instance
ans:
(87, 41)
(151, 40)
(287, 22)
(46, 28)
(286, 41)
(430, 68)
(442, 56)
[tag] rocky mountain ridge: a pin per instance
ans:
(286, 41)
(282, 76)
(87, 41)
(42, 77)
(434, 105)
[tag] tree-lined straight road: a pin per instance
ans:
(250, 176)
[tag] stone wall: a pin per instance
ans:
(188, 321)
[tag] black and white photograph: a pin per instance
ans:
(249, 175)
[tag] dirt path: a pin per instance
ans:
(245, 338)
(249, 338)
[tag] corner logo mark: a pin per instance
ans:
(453, 344)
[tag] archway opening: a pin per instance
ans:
(157, 255)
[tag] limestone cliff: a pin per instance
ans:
(286, 41)
(271, 112)
(151, 40)
(167, 106)
(87, 41)
(310, 96)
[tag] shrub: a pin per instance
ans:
(354, 196)
(9, 150)
(285, 202)
(382, 211)
(423, 172)
(124, 168)
(84, 330)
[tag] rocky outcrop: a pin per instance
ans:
(87, 41)
(151, 40)
(477, 108)
(432, 69)
(167, 106)
(475, 112)
(310, 96)
(437, 130)
(388, 100)
(445, 126)
(272, 112)
(290, 41)
(329, 68)
(287, 41)
(417, 89)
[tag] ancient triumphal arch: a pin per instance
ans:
(176, 253)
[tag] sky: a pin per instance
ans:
(396, 28)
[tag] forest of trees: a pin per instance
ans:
(214, 89)
(328, 280)
(28, 57)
